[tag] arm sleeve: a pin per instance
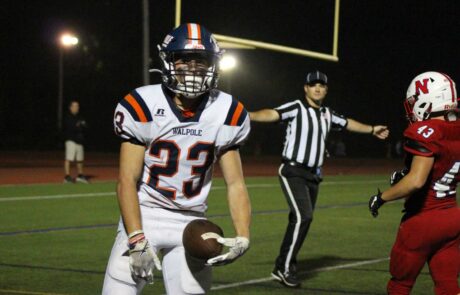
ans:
(338, 122)
(233, 136)
(288, 111)
(129, 127)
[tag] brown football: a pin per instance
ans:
(198, 246)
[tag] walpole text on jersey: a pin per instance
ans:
(187, 131)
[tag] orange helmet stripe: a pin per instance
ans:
(194, 33)
(190, 31)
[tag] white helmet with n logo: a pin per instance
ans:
(429, 95)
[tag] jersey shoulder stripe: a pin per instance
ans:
(236, 114)
(136, 106)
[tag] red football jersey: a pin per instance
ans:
(441, 140)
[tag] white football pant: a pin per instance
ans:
(163, 229)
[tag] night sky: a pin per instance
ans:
(382, 46)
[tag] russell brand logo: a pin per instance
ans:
(160, 112)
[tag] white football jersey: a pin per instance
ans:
(180, 150)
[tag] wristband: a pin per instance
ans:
(135, 233)
(372, 131)
(135, 237)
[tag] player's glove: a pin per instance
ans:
(397, 175)
(142, 259)
(375, 202)
(237, 247)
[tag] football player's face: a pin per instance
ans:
(191, 64)
(191, 71)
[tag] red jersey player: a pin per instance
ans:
(430, 228)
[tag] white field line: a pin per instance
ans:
(50, 183)
(322, 269)
(47, 197)
(109, 194)
(5, 291)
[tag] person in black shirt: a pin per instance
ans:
(308, 125)
(75, 127)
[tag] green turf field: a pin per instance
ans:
(56, 239)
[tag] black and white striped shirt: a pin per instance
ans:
(307, 131)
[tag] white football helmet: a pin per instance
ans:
(430, 94)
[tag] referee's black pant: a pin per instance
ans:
(300, 186)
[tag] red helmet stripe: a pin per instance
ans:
(452, 89)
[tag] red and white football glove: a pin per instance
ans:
(237, 247)
(142, 259)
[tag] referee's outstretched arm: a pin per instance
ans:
(265, 115)
(378, 131)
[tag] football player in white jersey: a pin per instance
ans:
(172, 134)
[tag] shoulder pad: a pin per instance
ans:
(424, 131)
(236, 114)
(421, 138)
(136, 106)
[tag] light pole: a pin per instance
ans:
(227, 64)
(66, 40)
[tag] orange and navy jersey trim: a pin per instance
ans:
(236, 115)
(136, 106)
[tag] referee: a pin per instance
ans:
(308, 125)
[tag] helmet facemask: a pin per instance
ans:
(190, 57)
(417, 110)
(190, 73)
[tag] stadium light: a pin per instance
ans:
(66, 40)
(227, 63)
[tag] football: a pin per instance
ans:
(200, 241)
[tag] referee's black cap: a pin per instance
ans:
(316, 77)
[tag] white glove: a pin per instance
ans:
(237, 247)
(142, 260)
